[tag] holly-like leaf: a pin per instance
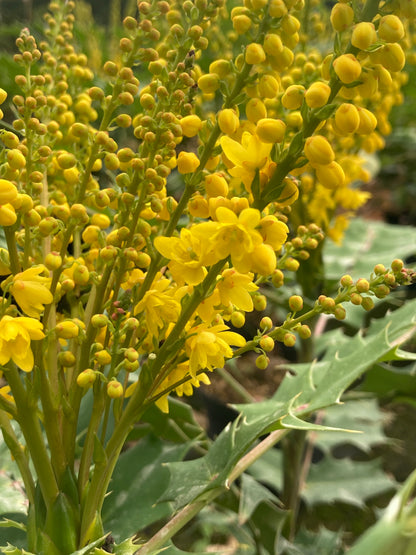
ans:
(252, 494)
(139, 479)
(345, 480)
(313, 386)
(363, 415)
(365, 245)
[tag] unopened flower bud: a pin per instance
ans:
(228, 121)
(347, 118)
(318, 150)
(266, 343)
(67, 329)
(255, 54)
(362, 285)
(363, 35)
(190, 125)
(114, 389)
(209, 83)
(317, 94)
(262, 362)
(340, 312)
(347, 68)
(187, 162)
(271, 130)
(86, 378)
(293, 97)
(295, 303)
(289, 339)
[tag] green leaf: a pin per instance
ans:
(324, 542)
(395, 532)
(12, 497)
(140, 477)
(252, 494)
(314, 386)
(7, 523)
(366, 244)
(345, 480)
(363, 415)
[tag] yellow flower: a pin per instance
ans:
(235, 288)
(159, 306)
(273, 231)
(247, 157)
(31, 290)
(185, 255)
(233, 236)
(15, 337)
(176, 375)
(208, 347)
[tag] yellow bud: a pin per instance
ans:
(187, 162)
(220, 67)
(363, 35)
(271, 130)
(268, 86)
(342, 16)
(266, 343)
(317, 94)
(392, 57)
(238, 319)
(272, 44)
(368, 121)
(293, 97)
(255, 110)
(318, 150)
(209, 83)
(277, 8)
(216, 185)
(53, 261)
(294, 120)
(347, 118)
(81, 274)
(290, 24)
(390, 28)
(347, 68)
(254, 54)
(86, 378)
(264, 260)
(7, 215)
(91, 234)
(3, 95)
(66, 160)
(114, 389)
(16, 159)
(71, 175)
(241, 24)
(100, 220)
(67, 329)
(190, 125)
(198, 206)
(102, 357)
(330, 175)
(228, 121)
(8, 191)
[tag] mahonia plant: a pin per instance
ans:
(144, 211)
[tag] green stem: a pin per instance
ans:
(29, 424)
(102, 474)
(187, 513)
(293, 449)
(12, 248)
(19, 455)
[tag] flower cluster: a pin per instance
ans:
(144, 210)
